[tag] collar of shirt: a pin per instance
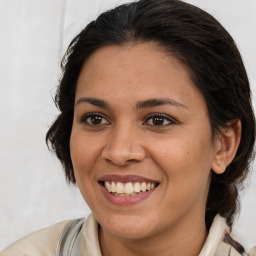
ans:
(214, 244)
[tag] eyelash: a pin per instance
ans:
(85, 118)
(164, 118)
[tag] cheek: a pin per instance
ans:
(186, 166)
(185, 159)
(84, 151)
(82, 160)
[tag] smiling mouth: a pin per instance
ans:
(128, 188)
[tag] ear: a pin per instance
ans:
(226, 145)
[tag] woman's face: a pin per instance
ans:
(141, 142)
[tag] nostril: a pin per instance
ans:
(123, 157)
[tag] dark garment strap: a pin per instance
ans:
(238, 247)
(69, 242)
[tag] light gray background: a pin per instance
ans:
(33, 37)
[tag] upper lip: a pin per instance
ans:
(125, 178)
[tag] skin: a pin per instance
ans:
(179, 154)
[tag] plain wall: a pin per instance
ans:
(33, 38)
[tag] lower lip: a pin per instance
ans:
(126, 200)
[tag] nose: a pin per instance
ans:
(124, 146)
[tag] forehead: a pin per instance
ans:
(135, 59)
(138, 71)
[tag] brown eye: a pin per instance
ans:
(159, 120)
(94, 119)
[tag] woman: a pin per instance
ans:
(156, 129)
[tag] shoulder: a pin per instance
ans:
(233, 248)
(41, 242)
(220, 243)
(228, 246)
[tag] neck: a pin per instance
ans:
(185, 238)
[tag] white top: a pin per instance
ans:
(44, 241)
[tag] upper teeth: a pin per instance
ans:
(128, 188)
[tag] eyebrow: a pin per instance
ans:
(140, 105)
(158, 102)
(94, 101)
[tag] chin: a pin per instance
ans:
(128, 227)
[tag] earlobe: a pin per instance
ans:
(226, 145)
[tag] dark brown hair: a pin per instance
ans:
(201, 43)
